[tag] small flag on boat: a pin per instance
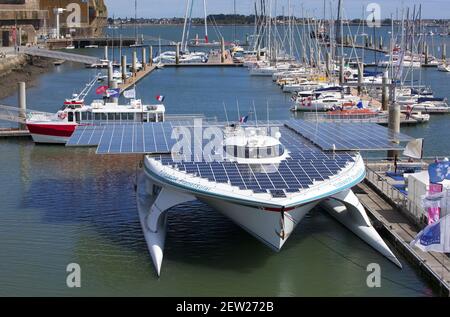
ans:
(243, 119)
(435, 237)
(101, 90)
(130, 94)
(160, 98)
(360, 105)
(113, 93)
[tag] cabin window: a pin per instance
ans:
(89, 116)
(104, 117)
(160, 117)
(70, 116)
(151, 117)
(117, 116)
(77, 117)
(139, 117)
(130, 116)
(110, 116)
(84, 116)
(97, 116)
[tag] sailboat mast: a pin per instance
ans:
(206, 22)
(135, 21)
(185, 22)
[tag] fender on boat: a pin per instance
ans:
(153, 216)
(346, 208)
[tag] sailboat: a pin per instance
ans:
(197, 42)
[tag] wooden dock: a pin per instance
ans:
(136, 77)
(400, 230)
(14, 133)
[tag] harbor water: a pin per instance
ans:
(62, 205)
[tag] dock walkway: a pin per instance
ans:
(135, 78)
(400, 230)
(14, 133)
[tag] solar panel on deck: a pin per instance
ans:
(348, 136)
(306, 165)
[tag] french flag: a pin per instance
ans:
(160, 98)
(243, 119)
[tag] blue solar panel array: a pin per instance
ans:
(348, 136)
(127, 138)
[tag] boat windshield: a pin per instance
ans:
(254, 152)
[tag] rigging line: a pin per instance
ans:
(363, 268)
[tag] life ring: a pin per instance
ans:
(62, 115)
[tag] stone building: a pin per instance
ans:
(36, 19)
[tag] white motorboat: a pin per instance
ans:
(426, 107)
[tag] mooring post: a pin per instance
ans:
(222, 48)
(144, 58)
(360, 77)
(385, 92)
(150, 59)
(114, 85)
(426, 54)
(22, 105)
(341, 71)
(394, 125)
(444, 52)
(327, 64)
(110, 73)
(134, 63)
(123, 66)
(106, 53)
(177, 54)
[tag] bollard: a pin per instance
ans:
(22, 104)
(123, 66)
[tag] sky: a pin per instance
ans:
(352, 8)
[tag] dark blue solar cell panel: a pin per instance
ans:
(347, 136)
(278, 193)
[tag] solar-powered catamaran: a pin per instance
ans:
(264, 178)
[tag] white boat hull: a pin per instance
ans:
(269, 227)
(346, 208)
(49, 139)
